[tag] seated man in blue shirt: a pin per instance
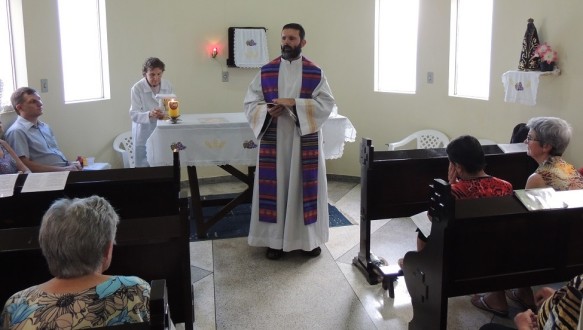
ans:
(32, 140)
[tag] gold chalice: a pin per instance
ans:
(173, 111)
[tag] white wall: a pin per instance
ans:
(340, 38)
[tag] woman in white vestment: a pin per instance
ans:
(145, 110)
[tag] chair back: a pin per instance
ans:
(7, 117)
(425, 139)
(124, 145)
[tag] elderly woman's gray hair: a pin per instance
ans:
(75, 234)
(553, 131)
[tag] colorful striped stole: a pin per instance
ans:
(311, 76)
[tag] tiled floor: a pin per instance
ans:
(236, 287)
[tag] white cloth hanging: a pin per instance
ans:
(250, 49)
(520, 86)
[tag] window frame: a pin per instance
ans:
(12, 11)
(103, 91)
(454, 66)
(380, 85)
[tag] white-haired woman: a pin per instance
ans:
(547, 139)
(144, 109)
(76, 237)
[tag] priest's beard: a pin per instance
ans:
(290, 53)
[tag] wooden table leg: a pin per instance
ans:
(197, 203)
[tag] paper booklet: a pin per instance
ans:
(573, 198)
(540, 199)
(422, 222)
(512, 147)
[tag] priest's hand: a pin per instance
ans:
(286, 102)
(275, 110)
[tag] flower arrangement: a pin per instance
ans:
(545, 53)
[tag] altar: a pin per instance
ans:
(224, 140)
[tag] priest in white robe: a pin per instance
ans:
(286, 105)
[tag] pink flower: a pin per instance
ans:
(549, 57)
(542, 49)
(545, 53)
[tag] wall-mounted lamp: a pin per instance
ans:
(214, 51)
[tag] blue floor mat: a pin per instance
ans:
(236, 222)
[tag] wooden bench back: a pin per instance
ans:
(134, 193)
(150, 248)
(488, 244)
(396, 183)
(152, 240)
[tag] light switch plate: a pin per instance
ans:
(44, 85)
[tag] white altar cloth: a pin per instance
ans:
(226, 138)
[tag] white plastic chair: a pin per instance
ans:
(426, 139)
(124, 145)
(7, 117)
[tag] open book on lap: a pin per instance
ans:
(422, 222)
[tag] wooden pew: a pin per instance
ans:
(488, 244)
(138, 192)
(152, 240)
(396, 184)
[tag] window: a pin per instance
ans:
(84, 50)
(12, 53)
(470, 48)
(396, 46)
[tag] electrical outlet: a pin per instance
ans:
(430, 77)
(225, 76)
(44, 85)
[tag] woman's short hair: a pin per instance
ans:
(467, 151)
(152, 63)
(553, 131)
(75, 234)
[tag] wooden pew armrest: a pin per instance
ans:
(159, 311)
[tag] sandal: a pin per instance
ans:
(480, 302)
(512, 294)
